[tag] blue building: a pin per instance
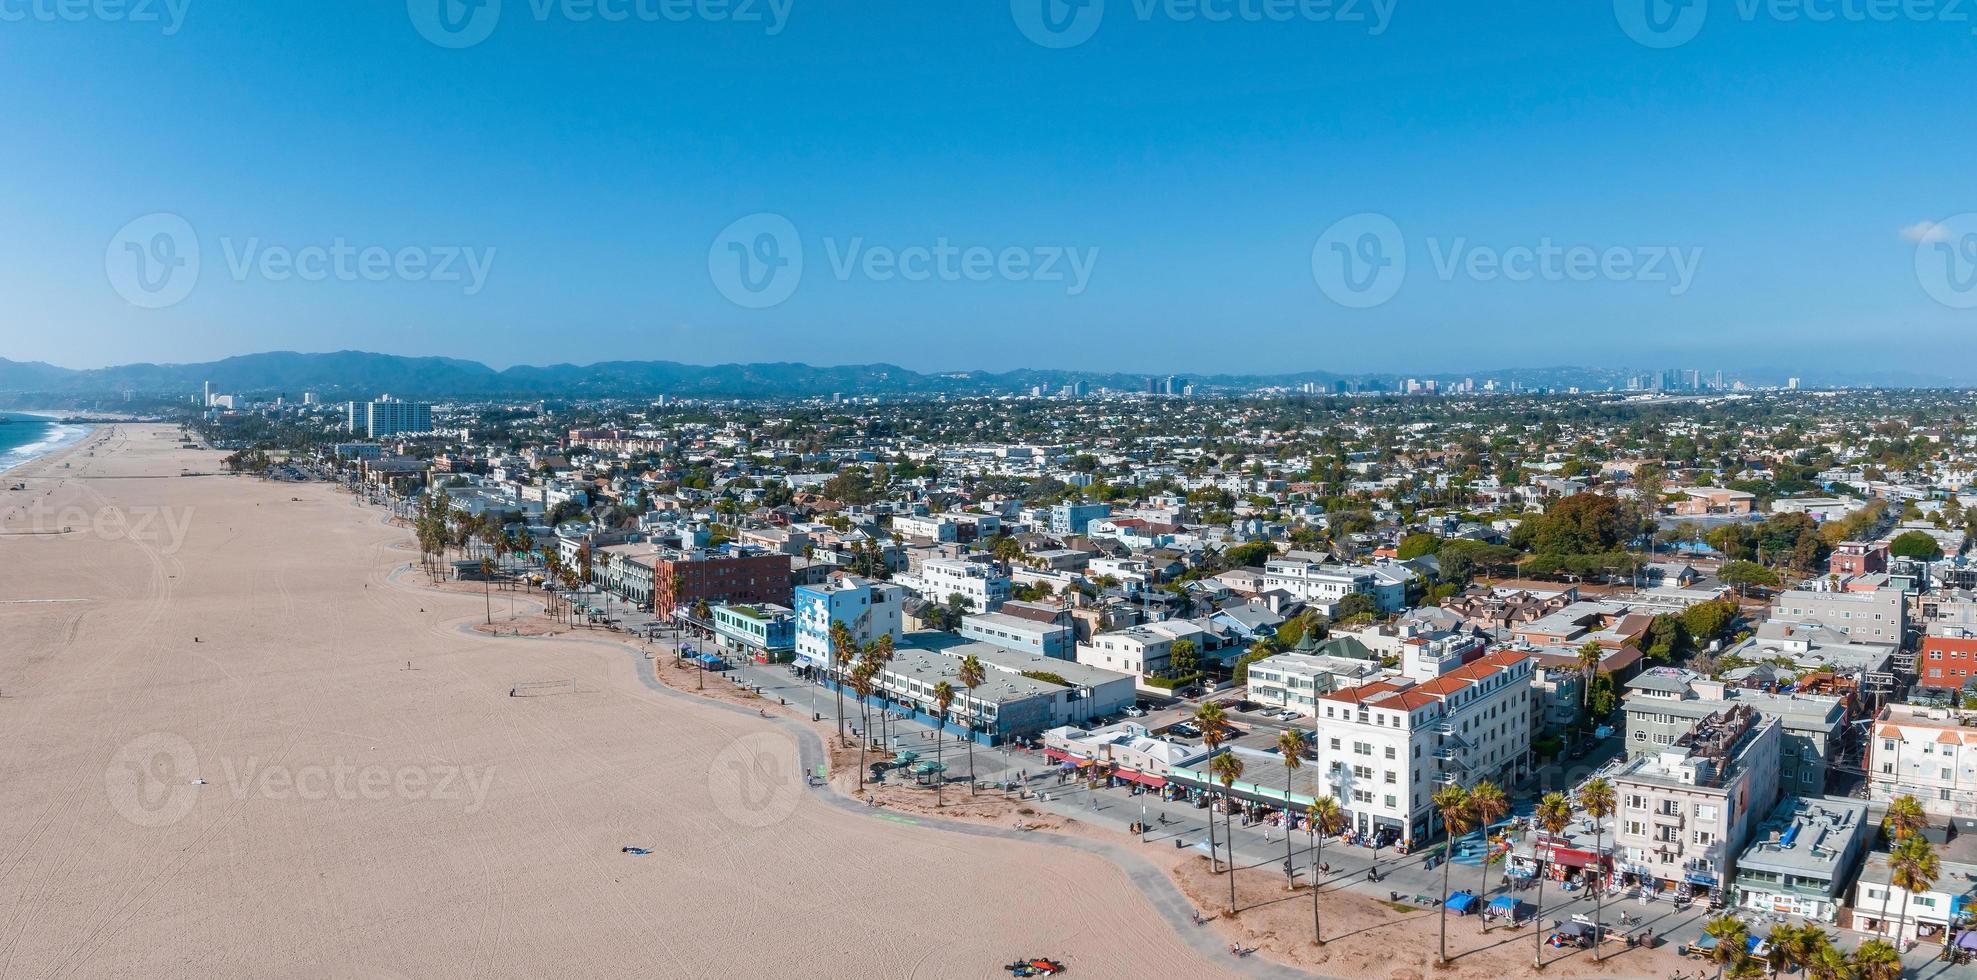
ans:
(1075, 518)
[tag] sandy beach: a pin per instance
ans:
(218, 764)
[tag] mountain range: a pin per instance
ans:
(356, 374)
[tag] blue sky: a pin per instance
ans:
(1193, 167)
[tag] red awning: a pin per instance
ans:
(1144, 779)
(1574, 859)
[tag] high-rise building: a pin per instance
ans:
(388, 417)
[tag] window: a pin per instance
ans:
(1390, 751)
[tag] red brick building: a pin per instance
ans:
(686, 579)
(1946, 662)
(1858, 558)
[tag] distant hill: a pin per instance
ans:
(355, 374)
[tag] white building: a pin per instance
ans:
(982, 586)
(1294, 681)
(1927, 753)
(1387, 746)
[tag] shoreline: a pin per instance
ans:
(62, 437)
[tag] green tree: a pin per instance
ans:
(1915, 544)
(1416, 545)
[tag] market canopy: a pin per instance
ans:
(1461, 902)
(1504, 905)
(1967, 939)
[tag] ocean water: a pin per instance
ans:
(25, 437)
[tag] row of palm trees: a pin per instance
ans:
(1808, 948)
(861, 666)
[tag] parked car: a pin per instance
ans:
(1133, 711)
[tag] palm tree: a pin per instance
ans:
(943, 697)
(1914, 868)
(1877, 959)
(1487, 805)
(1905, 818)
(1747, 968)
(840, 648)
(1211, 718)
(1589, 657)
(1290, 745)
(1596, 798)
(1553, 815)
(1228, 768)
(1452, 802)
(882, 650)
(1783, 948)
(861, 682)
(1732, 937)
(1827, 961)
(487, 600)
(972, 676)
(1325, 818)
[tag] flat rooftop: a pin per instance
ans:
(1807, 837)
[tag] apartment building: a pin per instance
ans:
(1294, 681)
(981, 586)
(1927, 753)
(1056, 638)
(1876, 616)
(868, 608)
(1326, 584)
(681, 579)
(1145, 650)
(1074, 518)
(1665, 703)
(1802, 857)
(1687, 811)
(1384, 747)
(1948, 660)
